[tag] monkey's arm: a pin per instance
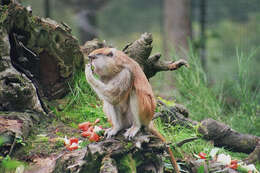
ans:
(115, 90)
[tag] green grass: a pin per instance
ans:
(178, 133)
(235, 101)
(82, 104)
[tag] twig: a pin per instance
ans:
(179, 144)
(157, 115)
(12, 146)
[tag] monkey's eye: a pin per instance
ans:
(110, 54)
(91, 57)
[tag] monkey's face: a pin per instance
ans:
(104, 62)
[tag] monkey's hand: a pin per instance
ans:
(88, 71)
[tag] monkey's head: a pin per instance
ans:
(105, 62)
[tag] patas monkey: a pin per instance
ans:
(128, 99)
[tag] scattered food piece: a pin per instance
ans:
(84, 126)
(224, 159)
(202, 155)
(90, 129)
(94, 137)
(66, 141)
(73, 140)
(97, 120)
(86, 134)
(97, 129)
(73, 146)
(213, 153)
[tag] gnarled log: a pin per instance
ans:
(42, 49)
(140, 51)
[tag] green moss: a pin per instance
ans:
(127, 164)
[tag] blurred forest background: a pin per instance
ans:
(216, 29)
(221, 34)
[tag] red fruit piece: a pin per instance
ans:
(84, 126)
(97, 121)
(86, 134)
(74, 140)
(90, 129)
(233, 166)
(94, 137)
(202, 155)
(233, 162)
(73, 147)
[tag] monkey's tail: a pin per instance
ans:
(155, 132)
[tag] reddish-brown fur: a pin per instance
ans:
(146, 100)
(141, 85)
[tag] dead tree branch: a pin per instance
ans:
(140, 51)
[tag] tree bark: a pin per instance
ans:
(47, 8)
(203, 38)
(140, 51)
(177, 26)
(42, 49)
(87, 18)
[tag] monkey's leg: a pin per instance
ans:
(136, 124)
(115, 117)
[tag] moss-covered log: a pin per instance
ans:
(42, 49)
(17, 93)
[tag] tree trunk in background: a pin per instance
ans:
(87, 24)
(86, 12)
(47, 8)
(177, 26)
(203, 13)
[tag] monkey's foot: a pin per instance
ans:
(111, 132)
(131, 132)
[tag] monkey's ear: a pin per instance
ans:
(110, 54)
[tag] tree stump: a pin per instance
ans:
(42, 49)
(143, 154)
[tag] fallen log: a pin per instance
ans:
(219, 133)
(223, 136)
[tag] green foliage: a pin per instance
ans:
(127, 164)
(8, 164)
(82, 104)
(204, 101)
(167, 102)
(19, 140)
(193, 89)
(2, 140)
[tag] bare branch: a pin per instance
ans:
(140, 51)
